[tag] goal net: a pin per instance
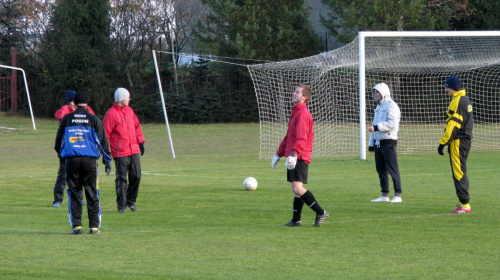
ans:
(413, 64)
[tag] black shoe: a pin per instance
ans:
(76, 231)
(293, 224)
(122, 210)
(320, 219)
(133, 208)
(94, 231)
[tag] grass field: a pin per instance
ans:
(195, 220)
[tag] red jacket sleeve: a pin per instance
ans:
(63, 111)
(138, 130)
(281, 149)
(107, 122)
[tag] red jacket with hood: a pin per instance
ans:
(123, 130)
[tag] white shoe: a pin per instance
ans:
(396, 199)
(381, 199)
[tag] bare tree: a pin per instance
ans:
(139, 26)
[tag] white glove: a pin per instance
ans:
(291, 161)
(274, 162)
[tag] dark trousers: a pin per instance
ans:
(459, 151)
(386, 161)
(60, 184)
(81, 175)
(126, 193)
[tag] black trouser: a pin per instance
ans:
(386, 161)
(60, 184)
(459, 151)
(81, 174)
(126, 194)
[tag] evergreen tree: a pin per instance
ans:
(272, 30)
(77, 51)
(347, 17)
(477, 15)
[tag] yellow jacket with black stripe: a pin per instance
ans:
(460, 120)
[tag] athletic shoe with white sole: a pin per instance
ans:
(396, 199)
(76, 231)
(461, 210)
(320, 219)
(293, 224)
(94, 231)
(381, 199)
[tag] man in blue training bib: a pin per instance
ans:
(80, 141)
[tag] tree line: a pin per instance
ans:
(97, 46)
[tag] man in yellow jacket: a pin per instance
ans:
(458, 136)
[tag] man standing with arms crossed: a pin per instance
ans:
(458, 136)
(127, 141)
(297, 147)
(80, 140)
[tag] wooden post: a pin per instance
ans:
(13, 83)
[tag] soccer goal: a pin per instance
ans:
(413, 64)
(27, 95)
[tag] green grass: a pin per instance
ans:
(195, 220)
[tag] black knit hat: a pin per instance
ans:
(454, 83)
(70, 95)
(81, 99)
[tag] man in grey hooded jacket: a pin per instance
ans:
(383, 141)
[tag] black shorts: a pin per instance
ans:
(299, 173)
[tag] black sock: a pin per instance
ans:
(298, 203)
(309, 199)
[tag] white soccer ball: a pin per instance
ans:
(250, 184)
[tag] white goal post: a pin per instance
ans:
(414, 65)
(27, 91)
(160, 89)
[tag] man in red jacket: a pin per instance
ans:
(297, 147)
(127, 142)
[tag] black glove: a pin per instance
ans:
(440, 149)
(371, 149)
(141, 147)
(107, 167)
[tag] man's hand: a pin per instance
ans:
(141, 147)
(440, 149)
(274, 161)
(371, 149)
(107, 167)
(291, 161)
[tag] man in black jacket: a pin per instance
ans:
(80, 141)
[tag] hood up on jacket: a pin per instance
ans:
(384, 90)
